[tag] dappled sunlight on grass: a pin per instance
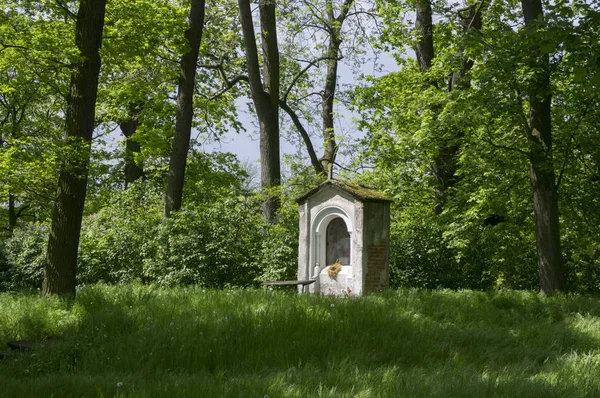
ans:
(190, 341)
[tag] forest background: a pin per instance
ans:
(485, 139)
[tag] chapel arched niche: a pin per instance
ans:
(337, 242)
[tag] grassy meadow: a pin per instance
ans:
(143, 341)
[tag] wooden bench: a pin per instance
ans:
(288, 283)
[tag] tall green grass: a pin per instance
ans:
(142, 341)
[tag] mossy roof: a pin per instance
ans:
(360, 192)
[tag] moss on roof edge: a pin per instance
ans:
(358, 191)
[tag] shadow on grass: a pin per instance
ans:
(141, 341)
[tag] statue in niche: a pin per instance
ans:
(337, 242)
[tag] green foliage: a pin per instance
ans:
(216, 243)
(413, 343)
(278, 255)
(225, 243)
(485, 236)
(483, 239)
(210, 245)
(24, 257)
(218, 239)
(116, 240)
(212, 176)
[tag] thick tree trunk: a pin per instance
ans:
(269, 121)
(14, 211)
(424, 26)
(542, 176)
(61, 257)
(133, 171)
(425, 55)
(265, 95)
(185, 109)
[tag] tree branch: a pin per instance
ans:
(5, 46)
(229, 86)
(22, 209)
(478, 11)
(317, 16)
(65, 9)
(564, 165)
(367, 13)
(344, 12)
(174, 61)
(302, 72)
(210, 66)
(526, 126)
(309, 146)
(508, 148)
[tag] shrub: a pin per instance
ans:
(116, 241)
(212, 245)
(218, 243)
(24, 257)
(279, 246)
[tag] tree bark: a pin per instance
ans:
(12, 212)
(424, 25)
(335, 41)
(185, 109)
(133, 171)
(61, 257)
(265, 95)
(542, 175)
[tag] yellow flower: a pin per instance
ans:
(334, 269)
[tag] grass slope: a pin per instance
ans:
(143, 341)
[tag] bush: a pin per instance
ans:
(24, 258)
(279, 247)
(219, 243)
(211, 245)
(117, 240)
(441, 251)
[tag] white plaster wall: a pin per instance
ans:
(359, 260)
(303, 244)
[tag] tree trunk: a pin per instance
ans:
(185, 109)
(265, 95)
(133, 171)
(12, 212)
(542, 176)
(424, 26)
(425, 55)
(471, 19)
(61, 256)
(445, 162)
(333, 51)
